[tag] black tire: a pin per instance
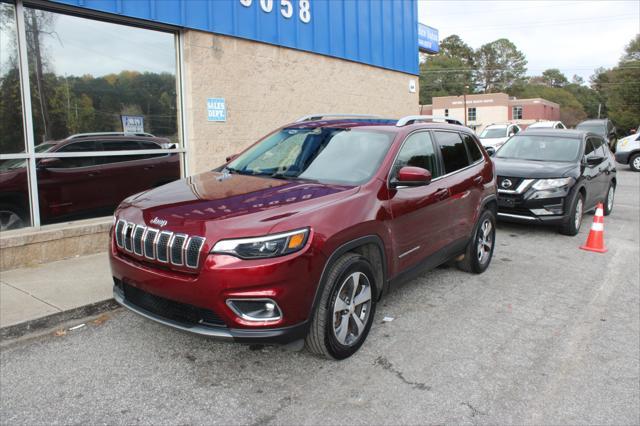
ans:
(608, 204)
(322, 339)
(634, 162)
(12, 217)
(473, 261)
(571, 227)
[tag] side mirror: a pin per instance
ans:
(412, 176)
(49, 163)
(594, 161)
(490, 150)
(232, 157)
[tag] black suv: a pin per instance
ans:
(553, 177)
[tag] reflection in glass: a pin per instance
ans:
(11, 131)
(85, 75)
(14, 195)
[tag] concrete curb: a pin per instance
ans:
(50, 321)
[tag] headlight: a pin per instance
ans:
(261, 247)
(623, 143)
(545, 184)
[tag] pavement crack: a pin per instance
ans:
(387, 365)
(474, 411)
(282, 404)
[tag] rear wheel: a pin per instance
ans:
(574, 220)
(11, 217)
(634, 163)
(344, 314)
(480, 249)
(608, 202)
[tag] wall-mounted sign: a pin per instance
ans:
(412, 86)
(216, 109)
(428, 39)
(132, 123)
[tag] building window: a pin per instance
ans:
(93, 86)
(517, 113)
(446, 112)
(471, 114)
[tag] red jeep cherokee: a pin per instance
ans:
(299, 236)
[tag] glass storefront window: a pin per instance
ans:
(99, 87)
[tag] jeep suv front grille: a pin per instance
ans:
(162, 246)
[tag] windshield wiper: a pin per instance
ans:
(285, 176)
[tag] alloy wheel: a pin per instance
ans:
(351, 309)
(636, 163)
(485, 241)
(610, 196)
(577, 220)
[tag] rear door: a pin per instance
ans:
(462, 178)
(419, 213)
(594, 174)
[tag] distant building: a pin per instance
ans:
(485, 109)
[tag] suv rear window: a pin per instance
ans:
(454, 154)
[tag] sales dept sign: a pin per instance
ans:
(216, 109)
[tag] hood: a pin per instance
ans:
(212, 199)
(534, 169)
(493, 141)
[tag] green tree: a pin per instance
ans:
(500, 66)
(554, 77)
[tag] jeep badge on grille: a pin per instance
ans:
(159, 222)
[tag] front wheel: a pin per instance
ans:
(608, 202)
(11, 217)
(480, 249)
(572, 226)
(634, 163)
(344, 314)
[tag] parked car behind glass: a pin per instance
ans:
(78, 187)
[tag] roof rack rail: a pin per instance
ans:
(312, 117)
(86, 135)
(410, 119)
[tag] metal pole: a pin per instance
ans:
(599, 107)
(27, 118)
(464, 95)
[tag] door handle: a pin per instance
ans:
(149, 167)
(477, 179)
(441, 194)
(92, 174)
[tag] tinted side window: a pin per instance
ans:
(590, 148)
(454, 154)
(84, 146)
(472, 148)
(417, 151)
(149, 145)
(120, 145)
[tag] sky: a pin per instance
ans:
(574, 36)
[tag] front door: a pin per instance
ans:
(418, 212)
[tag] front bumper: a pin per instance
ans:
(290, 281)
(528, 206)
(622, 157)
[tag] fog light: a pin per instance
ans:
(255, 309)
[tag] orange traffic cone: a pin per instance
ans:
(595, 241)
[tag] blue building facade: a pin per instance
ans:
(382, 33)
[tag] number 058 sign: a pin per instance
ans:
(286, 8)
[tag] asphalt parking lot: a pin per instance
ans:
(549, 334)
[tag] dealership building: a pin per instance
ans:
(200, 79)
(488, 108)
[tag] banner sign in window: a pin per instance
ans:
(132, 123)
(428, 39)
(216, 109)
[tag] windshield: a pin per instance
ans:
(540, 148)
(500, 132)
(331, 155)
(598, 129)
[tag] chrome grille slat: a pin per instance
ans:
(192, 251)
(128, 230)
(120, 225)
(162, 246)
(150, 243)
(175, 248)
(138, 234)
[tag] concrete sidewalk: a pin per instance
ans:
(48, 289)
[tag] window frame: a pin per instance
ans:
(475, 113)
(515, 108)
(31, 156)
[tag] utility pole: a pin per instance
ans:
(599, 108)
(464, 96)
